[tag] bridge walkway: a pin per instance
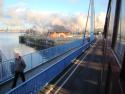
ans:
(84, 77)
(6, 86)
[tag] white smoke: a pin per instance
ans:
(21, 16)
(100, 20)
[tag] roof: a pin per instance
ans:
(58, 29)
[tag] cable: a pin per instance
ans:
(87, 19)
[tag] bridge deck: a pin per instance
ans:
(87, 76)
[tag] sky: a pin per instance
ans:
(65, 6)
(67, 13)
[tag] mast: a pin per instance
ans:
(92, 21)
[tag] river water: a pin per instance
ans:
(9, 42)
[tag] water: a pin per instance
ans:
(9, 42)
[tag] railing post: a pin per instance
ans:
(1, 72)
(31, 61)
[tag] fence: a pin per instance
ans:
(32, 85)
(35, 59)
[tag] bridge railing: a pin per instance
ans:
(35, 59)
(33, 85)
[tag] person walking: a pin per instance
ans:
(19, 67)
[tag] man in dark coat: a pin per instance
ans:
(19, 69)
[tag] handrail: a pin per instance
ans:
(35, 59)
(44, 77)
(42, 50)
(116, 58)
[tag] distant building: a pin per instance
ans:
(32, 32)
(58, 32)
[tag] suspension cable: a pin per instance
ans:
(87, 19)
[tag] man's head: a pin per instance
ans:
(17, 54)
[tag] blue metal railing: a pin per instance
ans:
(35, 59)
(32, 85)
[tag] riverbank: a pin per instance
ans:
(40, 42)
(36, 41)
